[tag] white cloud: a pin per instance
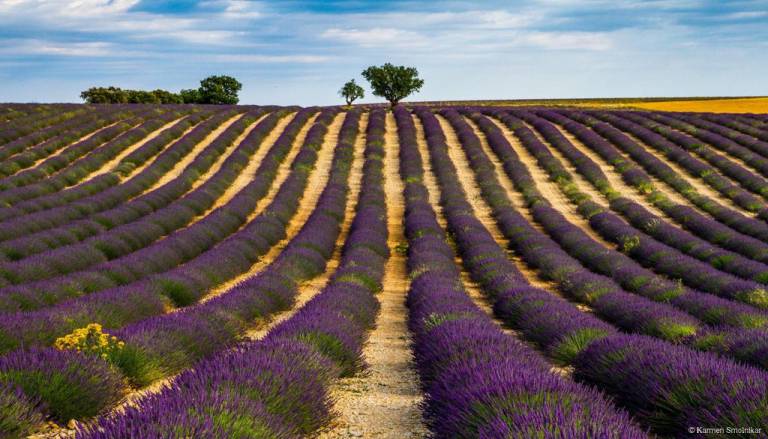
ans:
(276, 59)
(115, 17)
(68, 8)
(747, 15)
(57, 48)
(194, 36)
(568, 40)
(374, 37)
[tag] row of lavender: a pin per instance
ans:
(740, 340)
(479, 381)
(668, 388)
(647, 250)
(737, 337)
(25, 151)
(609, 142)
(698, 142)
(51, 222)
(110, 259)
(631, 312)
(674, 146)
(163, 345)
(278, 386)
(127, 165)
(36, 125)
(213, 245)
(132, 222)
(129, 202)
(77, 160)
(733, 219)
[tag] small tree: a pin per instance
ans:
(219, 90)
(393, 83)
(351, 91)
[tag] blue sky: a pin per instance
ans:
(300, 52)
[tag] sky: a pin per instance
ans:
(301, 52)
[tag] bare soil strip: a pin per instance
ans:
(719, 152)
(580, 181)
(433, 188)
(309, 199)
(548, 188)
(151, 160)
(384, 400)
(517, 201)
(315, 186)
(110, 165)
(700, 185)
(59, 150)
(246, 174)
(614, 177)
(481, 209)
(182, 164)
(319, 177)
(473, 289)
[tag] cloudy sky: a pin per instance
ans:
(300, 52)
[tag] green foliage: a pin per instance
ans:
(393, 83)
(116, 95)
(18, 413)
(629, 243)
(190, 96)
(213, 90)
(570, 346)
(220, 90)
(351, 91)
(104, 95)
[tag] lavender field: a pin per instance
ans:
(450, 271)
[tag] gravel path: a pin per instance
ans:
(384, 400)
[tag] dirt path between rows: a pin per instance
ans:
(318, 176)
(383, 401)
(247, 173)
(578, 179)
(472, 192)
(58, 151)
(182, 164)
(482, 210)
(701, 186)
(309, 289)
(721, 154)
(614, 178)
(433, 188)
(472, 288)
(261, 327)
(548, 188)
(112, 164)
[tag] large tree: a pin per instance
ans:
(351, 91)
(393, 83)
(219, 90)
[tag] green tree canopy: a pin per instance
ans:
(104, 95)
(219, 90)
(213, 90)
(393, 83)
(190, 96)
(351, 91)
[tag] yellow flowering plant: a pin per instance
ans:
(91, 340)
